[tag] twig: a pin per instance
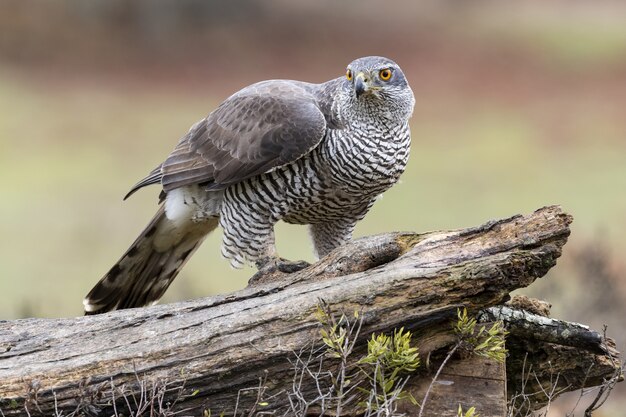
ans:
(445, 361)
(604, 392)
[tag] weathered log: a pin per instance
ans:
(218, 346)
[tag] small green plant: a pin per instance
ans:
(393, 352)
(484, 342)
(389, 359)
(380, 375)
(333, 332)
(207, 413)
(471, 412)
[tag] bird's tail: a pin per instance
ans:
(150, 265)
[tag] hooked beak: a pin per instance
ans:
(361, 84)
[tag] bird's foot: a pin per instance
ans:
(289, 267)
(273, 268)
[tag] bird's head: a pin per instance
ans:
(378, 81)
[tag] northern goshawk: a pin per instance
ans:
(316, 154)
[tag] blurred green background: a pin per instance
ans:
(519, 105)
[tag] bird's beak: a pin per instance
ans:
(361, 84)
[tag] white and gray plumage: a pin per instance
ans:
(316, 154)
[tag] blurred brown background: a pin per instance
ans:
(519, 105)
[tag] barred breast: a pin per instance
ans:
(336, 183)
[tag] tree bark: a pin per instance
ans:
(204, 354)
(549, 356)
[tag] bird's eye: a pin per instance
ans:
(385, 74)
(349, 75)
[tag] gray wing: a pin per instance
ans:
(258, 129)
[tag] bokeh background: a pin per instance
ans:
(519, 105)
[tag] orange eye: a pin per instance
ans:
(385, 74)
(349, 75)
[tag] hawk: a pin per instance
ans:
(314, 154)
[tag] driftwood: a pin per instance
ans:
(206, 354)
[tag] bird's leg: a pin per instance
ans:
(259, 248)
(328, 236)
(288, 267)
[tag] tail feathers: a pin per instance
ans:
(149, 266)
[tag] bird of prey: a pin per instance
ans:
(315, 154)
